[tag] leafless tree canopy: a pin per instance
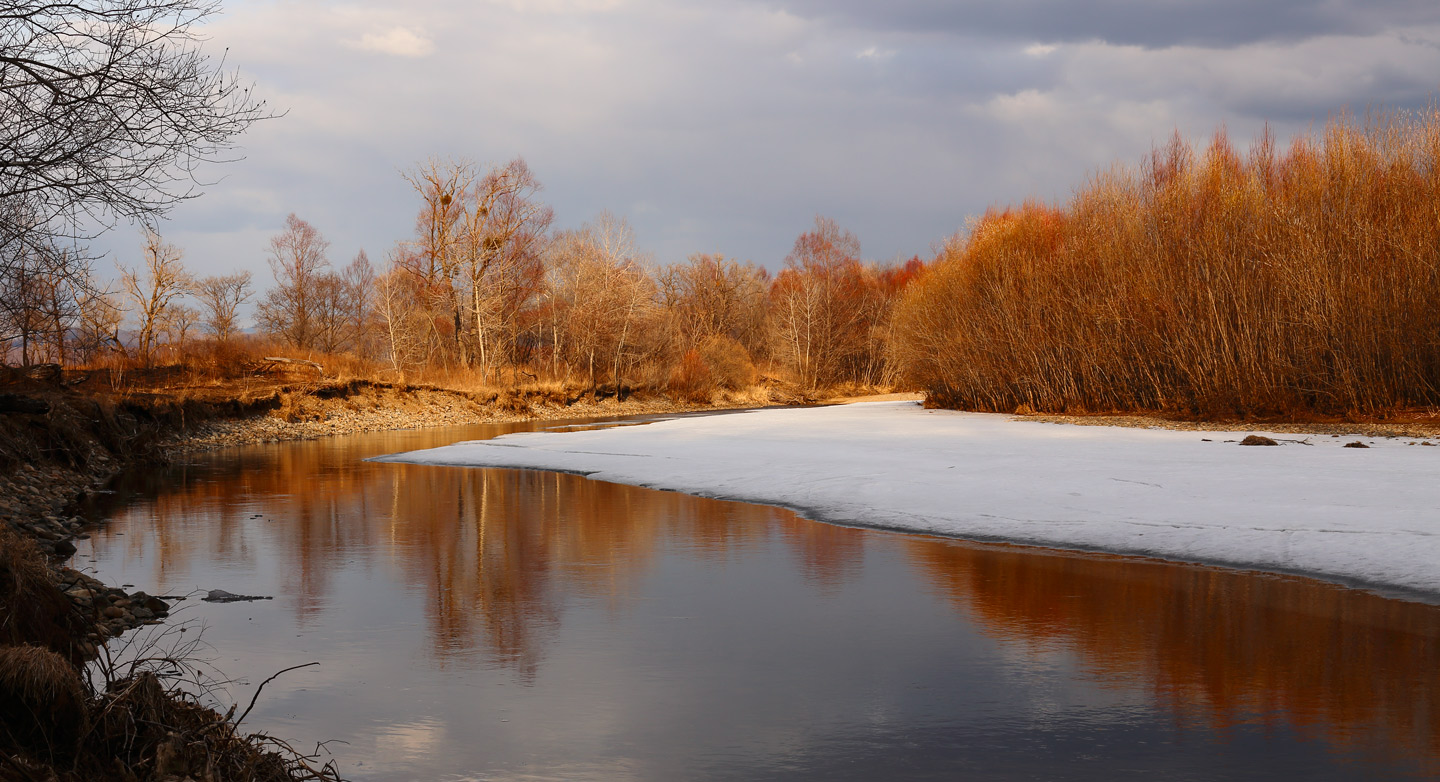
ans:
(220, 299)
(298, 258)
(107, 106)
(154, 290)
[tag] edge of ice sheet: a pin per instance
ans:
(1361, 517)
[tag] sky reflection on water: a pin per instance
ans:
(496, 624)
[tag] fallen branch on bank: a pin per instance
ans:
(300, 361)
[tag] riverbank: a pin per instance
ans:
(305, 414)
(68, 711)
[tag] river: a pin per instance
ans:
(512, 625)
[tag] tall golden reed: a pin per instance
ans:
(1211, 283)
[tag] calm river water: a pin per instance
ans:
(507, 625)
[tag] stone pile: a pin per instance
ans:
(113, 609)
(33, 502)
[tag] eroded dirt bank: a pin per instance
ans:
(301, 413)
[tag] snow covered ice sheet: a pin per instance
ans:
(1369, 517)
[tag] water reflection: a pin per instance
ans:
(503, 563)
(1213, 646)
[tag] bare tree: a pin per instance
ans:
(56, 307)
(327, 313)
(40, 279)
(108, 106)
(505, 234)
(711, 296)
(154, 289)
(603, 296)
(297, 258)
(408, 324)
(478, 255)
(436, 258)
(341, 312)
(360, 280)
(97, 329)
(220, 298)
(821, 304)
(37, 304)
(180, 326)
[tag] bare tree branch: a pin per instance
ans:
(107, 107)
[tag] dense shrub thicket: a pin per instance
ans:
(1204, 282)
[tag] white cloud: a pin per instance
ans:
(398, 41)
(875, 54)
(1040, 49)
(1024, 106)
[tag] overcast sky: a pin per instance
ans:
(727, 126)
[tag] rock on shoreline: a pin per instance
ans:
(34, 502)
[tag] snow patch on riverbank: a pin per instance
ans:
(1366, 516)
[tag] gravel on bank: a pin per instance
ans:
(415, 409)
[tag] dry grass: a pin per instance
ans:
(127, 723)
(1209, 284)
(33, 610)
(147, 731)
(42, 704)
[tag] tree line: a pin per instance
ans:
(487, 292)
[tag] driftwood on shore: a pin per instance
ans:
(301, 361)
(221, 596)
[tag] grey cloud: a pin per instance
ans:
(1147, 23)
(727, 127)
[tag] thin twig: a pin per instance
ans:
(262, 686)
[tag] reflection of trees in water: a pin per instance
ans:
(828, 555)
(497, 553)
(1215, 645)
(310, 500)
(504, 551)
(484, 557)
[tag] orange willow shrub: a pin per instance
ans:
(1212, 283)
